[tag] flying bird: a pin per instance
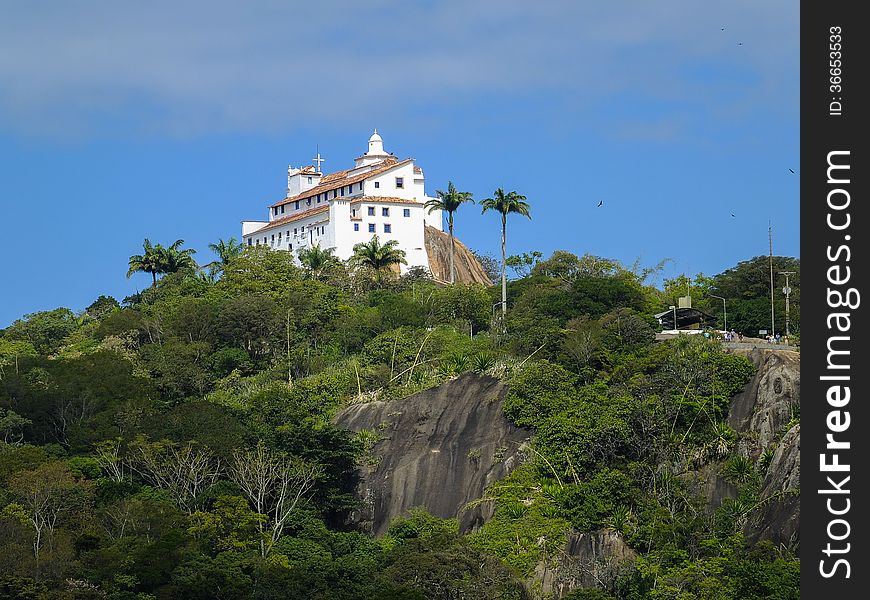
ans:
(732, 214)
(739, 43)
(790, 171)
(723, 29)
(600, 203)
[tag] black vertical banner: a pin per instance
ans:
(835, 418)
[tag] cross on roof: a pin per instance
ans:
(318, 159)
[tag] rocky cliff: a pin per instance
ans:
(442, 447)
(467, 268)
(438, 449)
(763, 415)
(768, 402)
(588, 560)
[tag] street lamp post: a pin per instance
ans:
(724, 312)
(787, 291)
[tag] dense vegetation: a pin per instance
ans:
(179, 444)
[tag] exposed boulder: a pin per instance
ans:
(466, 267)
(438, 449)
(760, 414)
(707, 484)
(589, 560)
(778, 517)
(768, 402)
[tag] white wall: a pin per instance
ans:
(249, 226)
(298, 183)
(311, 235)
(387, 184)
(408, 231)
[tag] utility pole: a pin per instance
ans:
(787, 291)
(770, 242)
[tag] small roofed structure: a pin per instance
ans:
(687, 319)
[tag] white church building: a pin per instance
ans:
(380, 195)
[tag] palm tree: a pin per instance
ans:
(505, 204)
(226, 250)
(449, 201)
(377, 256)
(174, 259)
(317, 259)
(148, 262)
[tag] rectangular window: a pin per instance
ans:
(273, 238)
(274, 211)
(334, 193)
(377, 184)
(356, 226)
(295, 231)
(371, 211)
(400, 182)
(250, 243)
(309, 180)
(387, 228)
(318, 198)
(282, 209)
(385, 212)
(303, 229)
(308, 201)
(296, 205)
(360, 186)
(288, 234)
(279, 237)
(291, 246)
(371, 227)
(406, 212)
(353, 213)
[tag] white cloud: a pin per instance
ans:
(186, 68)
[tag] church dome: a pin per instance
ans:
(376, 145)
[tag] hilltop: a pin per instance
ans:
(334, 432)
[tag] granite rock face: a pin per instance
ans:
(441, 448)
(768, 402)
(466, 267)
(438, 449)
(778, 517)
(588, 560)
(760, 415)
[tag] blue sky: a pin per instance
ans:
(121, 121)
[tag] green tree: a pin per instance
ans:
(317, 260)
(274, 483)
(12, 427)
(378, 257)
(226, 250)
(46, 494)
(147, 262)
(45, 330)
(505, 204)
(449, 201)
(230, 525)
(746, 288)
(175, 259)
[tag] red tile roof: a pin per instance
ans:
(383, 200)
(291, 218)
(333, 181)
